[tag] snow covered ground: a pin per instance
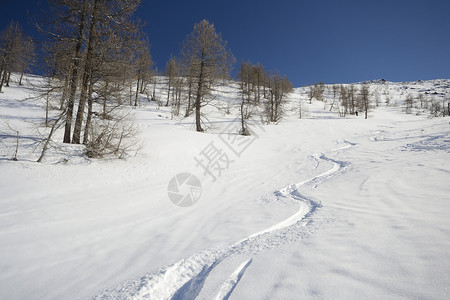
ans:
(322, 207)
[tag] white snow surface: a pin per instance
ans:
(315, 208)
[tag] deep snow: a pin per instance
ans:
(322, 207)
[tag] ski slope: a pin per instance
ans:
(320, 207)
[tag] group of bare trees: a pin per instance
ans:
(95, 52)
(316, 91)
(259, 88)
(254, 80)
(279, 86)
(205, 62)
(16, 53)
(344, 99)
(353, 98)
(97, 61)
(436, 105)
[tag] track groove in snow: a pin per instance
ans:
(185, 279)
(230, 284)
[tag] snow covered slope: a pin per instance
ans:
(320, 207)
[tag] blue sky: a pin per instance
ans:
(309, 41)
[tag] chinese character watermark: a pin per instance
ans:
(185, 189)
(213, 161)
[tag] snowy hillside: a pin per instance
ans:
(322, 207)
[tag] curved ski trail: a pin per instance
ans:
(185, 279)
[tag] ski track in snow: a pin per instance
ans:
(229, 285)
(185, 279)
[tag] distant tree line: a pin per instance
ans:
(353, 98)
(345, 99)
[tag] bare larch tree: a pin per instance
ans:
(208, 58)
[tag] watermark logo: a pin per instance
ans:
(184, 189)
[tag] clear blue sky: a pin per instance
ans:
(309, 41)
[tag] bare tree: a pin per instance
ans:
(95, 50)
(409, 103)
(421, 99)
(258, 77)
(188, 75)
(365, 99)
(171, 73)
(27, 59)
(316, 91)
(209, 59)
(82, 27)
(352, 98)
(280, 86)
(344, 100)
(337, 90)
(244, 83)
(144, 66)
(91, 39)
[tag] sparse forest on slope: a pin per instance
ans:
(97, 65)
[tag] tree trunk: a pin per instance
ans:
(300, 109)
(47, 140)
(198, 99)
(143, 86)
(2, 80)
(353, 103)
(366, 108)
(168, 94)
(243, 129)
(154, 91)
(137, 89)
(80, 113)
(8, 78)
(47, 108)
(275, 114)
(86, 78)
(188, 109)
(131, 93)
(87, 127)
(271, 107)
(104, 99)
(21, 76)
(74, 78)
(64, 94)
(178, 97)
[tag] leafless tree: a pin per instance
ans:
(365, 100)
(245, 91)
(352, 98)
(96, 49)
(171, 73)
(143, 66)
(280, 86)
(209, 59)
(409, 103)
(258, 78)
